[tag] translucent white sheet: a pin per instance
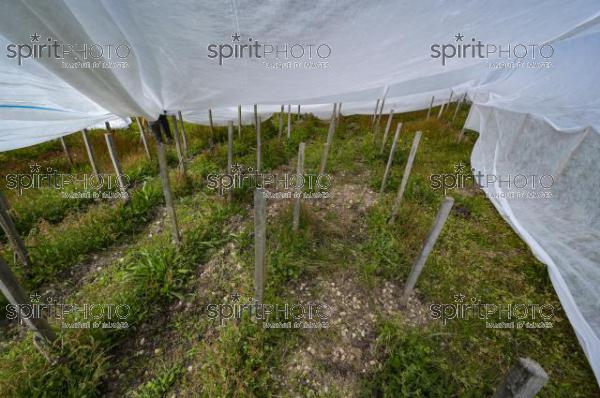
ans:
(376, 47)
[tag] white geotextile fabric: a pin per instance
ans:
(376, 48)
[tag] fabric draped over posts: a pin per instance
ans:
(170, 68)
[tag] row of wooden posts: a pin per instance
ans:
(159, 129)
(526, 376)
(9, 285)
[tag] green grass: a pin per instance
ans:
(477, 255)
(33, 206)
(151, 273)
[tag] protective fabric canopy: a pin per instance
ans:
(375, 48)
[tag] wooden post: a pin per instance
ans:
(390, 158)
(449, 100)
(229, 152)
(255, 116)
(90, 152)
(289, 122)
(333, 116)
(17, 296)
(112, 151)
(417, 267)
(10, 230)
(379, 116)
(164, 177)
(524, 380)
(280, 122)
(331, 130)
(339, 114)
(441, 110)
(299, 174)
(298, 112)
(387, 130)
(430, 106)
(328, 144)
(458, 105)
(324, 158)
(180, 154)
(375, 113)
(407, 169)
(239, 121)
(211, 140)
(66, 150)
(142, 137)
(258, 145)
(184, 136)
(260, 235)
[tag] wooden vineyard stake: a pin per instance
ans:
(260, 235)
(90, 153)
(258, 146)
(524, 380)
(112, 151)
(387, 131)
(334, 113)
(417, 267)
(211, 140)
(298, 192)
(255, 116)
(407, 169)
(239, 122)
(10, 230)
(441, 110)
(324, 158)
(375, 113)
(67, 151)
(289, 122)
(17, 296)
(379, 116)
(458, 105)
(229, 151)
(390, 158)
(449, 100)
(164, 177)
(184, 136)
(327, 145)
(142, 137)
(280, 121)
(178, 148)
(430, 106)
